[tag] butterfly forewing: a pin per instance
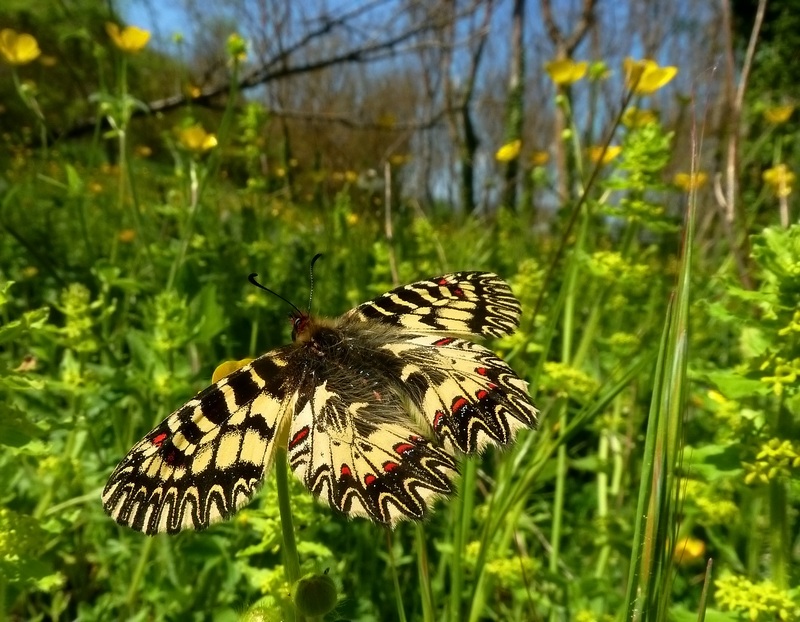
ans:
(461, 303)
(208, 458)
(374, 407)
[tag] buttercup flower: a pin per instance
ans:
(566, 70)
(129, 39)
(18, 48)
(779, 114)
(690, 181)
(227, 368)
(645, 76)
(509, 151)
(540, 158)
(636, 117)
(596, 154)
(780, 179)
(195, 138)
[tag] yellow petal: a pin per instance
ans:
(566, 71)
(779, 114)
(596, 154)
(130, 39)
(780, 179)
(509, 151)
(635, 117)
(195, 138)
(690, 181)
(645, 76)
(540, 158)
(227, 368)
(18, 48)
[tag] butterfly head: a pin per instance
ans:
(300, 322)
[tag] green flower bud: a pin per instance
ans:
(315, 595)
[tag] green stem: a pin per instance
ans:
(398, 595)
(424, 574)
(138, 573)
(291, 559)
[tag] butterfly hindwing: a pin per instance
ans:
(355, 449)
(471, 398)
(460, 303)
(208, 458)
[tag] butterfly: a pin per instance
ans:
(373, 408)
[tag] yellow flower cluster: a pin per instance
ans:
(785, 373)
(780, 179)
(776, 460)
(759, 602)
(568, 380)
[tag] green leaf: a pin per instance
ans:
(735, 386)
(15, 429)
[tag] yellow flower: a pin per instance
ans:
(126, 236)
(398, 159)
(540, 158)
(387, 121)
(509, 151)
(18, 48)
(227, 368)
(690, 181)
(596, 153)
(566, 71)
(688, 550)
(780, 179)
(779, 114)
(350, 177)
(130, 39)
(195, 138)
(645, 77)
(636, 117)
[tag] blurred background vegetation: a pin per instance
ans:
(643, 211)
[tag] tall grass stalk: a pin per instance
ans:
(651, 566)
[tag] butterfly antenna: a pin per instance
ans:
(311, 279)
(252, 279)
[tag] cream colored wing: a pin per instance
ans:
(208, 458)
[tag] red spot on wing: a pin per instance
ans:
(442, 281)
(159, 439)
(298, 437)
(481, 370)
(492, 385)
(346, 471)
(459, 403)
(416, 439)
(443, 341)
(368, 479)
(402, 448)
(482, 394)
(390, 466)
(458, 292)
(437, 419)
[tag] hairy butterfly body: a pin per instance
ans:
(372, 407)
